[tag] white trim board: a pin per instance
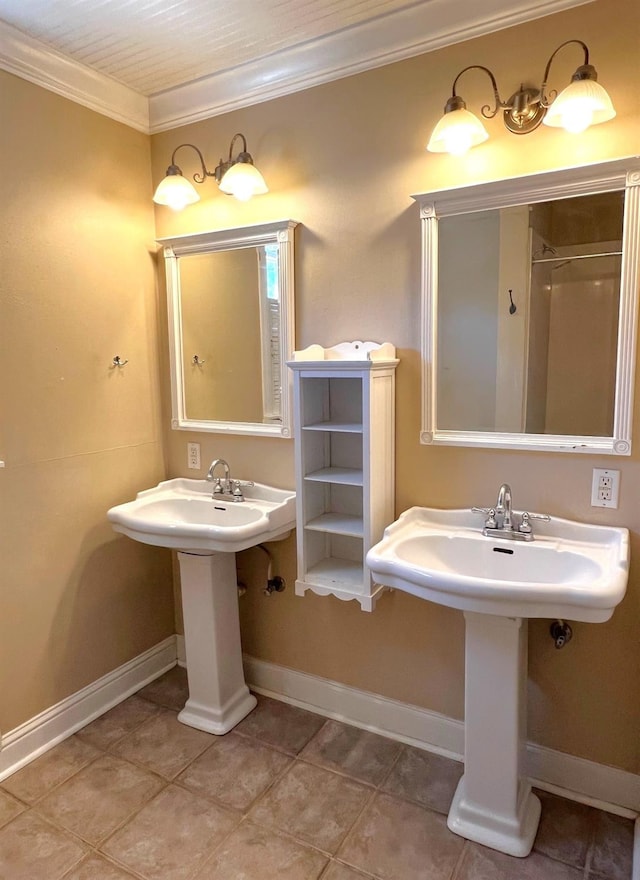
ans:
(414, 30)
(32, 60)
(576, 778)
(36, 736)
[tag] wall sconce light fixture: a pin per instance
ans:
(237, 176)
(582, 103)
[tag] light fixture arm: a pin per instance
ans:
(244, 146)
(486, 110)
(243, 156)
(199, 178)
(585, 71)
(223, 165)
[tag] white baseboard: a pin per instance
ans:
(604, 787)
(41, 733)
(180, 650)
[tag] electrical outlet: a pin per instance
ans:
(193, 456)
(605, 488)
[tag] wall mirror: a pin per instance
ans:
(231, 328)
(529, 310)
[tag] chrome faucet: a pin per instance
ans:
(226, 488)
(503, 506)
(500, 523)
(218, 488)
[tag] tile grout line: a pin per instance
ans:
(588, 858)
(36, 801)
(455, 874)
(244, 814)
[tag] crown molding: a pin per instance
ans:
(412, 31)
(415, 30)
(34, 61)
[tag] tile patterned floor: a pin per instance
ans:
(287, 795)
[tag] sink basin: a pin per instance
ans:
(570, 570)
(182, 514)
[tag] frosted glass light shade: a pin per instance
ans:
(243, 180)
(176, 192)
(583, 103)
(457, 132)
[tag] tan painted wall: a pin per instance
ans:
(76, 288)
(342, 159)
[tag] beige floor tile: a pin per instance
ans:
(163, 744)
(9, 808)
(111, 727)
(98, 868)
(50, 769)
(172, 836)
(359, 753)
(612, 853)
(171, 690)
(336, 871)
(99, 798)
(424, 777)
(253, 853)
(565, 829)
(281, 725)
(234, 770)
(396, 839)
(480, 863)
(312, 804)
(32, 849)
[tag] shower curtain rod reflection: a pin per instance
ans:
(568, 259)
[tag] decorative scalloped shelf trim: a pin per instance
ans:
(348, 351)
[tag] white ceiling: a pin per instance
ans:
(157, 64)
(155, 45)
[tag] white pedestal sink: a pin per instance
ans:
(208, 532)
(570, 570)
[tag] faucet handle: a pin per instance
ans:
(525, 524)
(238, 486)
(490, 522)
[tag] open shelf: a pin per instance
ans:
(345, 476)
(332, 572)
(337, 524)
(338, 427)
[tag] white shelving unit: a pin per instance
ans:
(344, 404)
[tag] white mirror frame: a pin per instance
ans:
(280, 232)
(620, 174)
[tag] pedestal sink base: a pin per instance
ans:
(513, 835)
(218, 695)
(493, 804)
(215, 720)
